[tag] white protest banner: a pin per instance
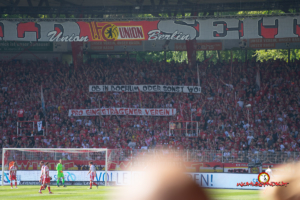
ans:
(39, 125)
(123, 111)
(145, 88)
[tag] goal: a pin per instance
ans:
(75, 164)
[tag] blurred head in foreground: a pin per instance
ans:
(289, 173)
(160, 179)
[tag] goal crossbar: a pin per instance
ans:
(55, 150)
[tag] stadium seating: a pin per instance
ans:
(274, 117)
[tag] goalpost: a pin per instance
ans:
(75, 162)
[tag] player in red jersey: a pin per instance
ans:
(92, 173)
(47, 178)
(13, 175)
(42, 177)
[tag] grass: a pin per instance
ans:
(234, 194)
(105, 193)
(70, 192)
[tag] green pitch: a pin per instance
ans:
(234, 194)
(104, 193)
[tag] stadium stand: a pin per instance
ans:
(273, 125)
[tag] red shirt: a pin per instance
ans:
(237, 140)
(199, 112)
(36, 118)
(21, 113)
(179, 118)
(13, 171)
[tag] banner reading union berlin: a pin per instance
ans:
(180, 29)
(123, 111)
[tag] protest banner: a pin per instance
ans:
(123, 111)
(145, 88)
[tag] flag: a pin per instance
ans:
(42, 100)
(77, 53)
(258, 79)
(208, 58)
(181, 108)
(40, 125)
(191, 48)
(198, 75)
(231, 63)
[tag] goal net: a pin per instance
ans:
(75, 164)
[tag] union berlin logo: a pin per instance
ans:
(112, 32)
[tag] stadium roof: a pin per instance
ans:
(98, 8)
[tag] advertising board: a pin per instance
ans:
(208, 180)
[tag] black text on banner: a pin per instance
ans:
(145, 88)
(123, 111)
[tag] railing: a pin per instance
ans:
(177, 155)
(21, 128)
(223, 156)
(189, 128)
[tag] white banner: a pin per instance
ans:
(123, 111)
(39, 125)
(235, 28)
(210, 180)
(145, 88)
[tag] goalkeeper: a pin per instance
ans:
(60, 173)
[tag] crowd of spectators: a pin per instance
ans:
(271, 124)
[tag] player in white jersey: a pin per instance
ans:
(42, 177)
(269, 171)
(13, 175)
(46, 179)
(92, 173)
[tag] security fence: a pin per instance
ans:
(274, 157)
(135, 155)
